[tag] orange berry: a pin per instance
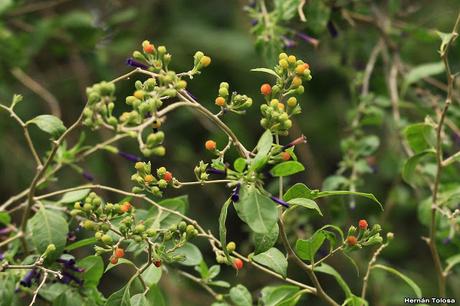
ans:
(210, 145)
(168, 176)
(113, 260)
(265, 89)
(238, 264)
(352, 240)
(149, 48)
(296, 81)
(280, 106)
(149, 178)
(220, 101)
(125, 207)
(306, 66)
(119, 252)
(300, 69)
(362, 224)
(285, 156)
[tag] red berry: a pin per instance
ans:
(363, 224)
(119, 252)
(210, 145)
(238, 264)
(266, 89)
(352, 240)
(149, 48)
(285, 156)
(168, 176)
(125, 207)
(113, 260)
(157, 263)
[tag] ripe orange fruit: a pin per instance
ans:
(210, 145)
(238, 264)
(352, 240)
(285, 156)
(168, 176)
(220, 101)
(265, 89)
(149, 48)
(119, 252)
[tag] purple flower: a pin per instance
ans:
(254, 22)
(447, 240)
(299, 140)
(332, 29)
(32, 275)
(212, 170)
(71, 236)
(1, 256)
(279, 201)
(130, 157)
(88, 176)
(67, 277)
(308, 39)
(131, 62)
(236, 193)
(190, 94)
(289, 43)
(5, 230)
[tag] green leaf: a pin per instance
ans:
(274, 296)
(263, 147)
(49, 124)
(162, 219)
(220, 283)
(422, 71)
(152, 275)
(257, 210)
(155, 296)
(323, 194)
(213, 271)
(81, 243)
(94, 269)
(5, 218)
(139, 300)
(223, 229)
(324, 268)
(286, 9)
(306, 249)
(121, 261)
(307, 203)
(266, 70)
(287, 168)
(120, 297)
(239, 164)
(273, 259)
(7, 295)
(452, 261)
(410, 165)
(446, 40)
(317, 13)
(264, 242)
(74, 196)
(420, 136)
(299, 190)
(48, 227)
(355, 301)
(405, 278)
(69, 298)
(192, 254)
(241, 296)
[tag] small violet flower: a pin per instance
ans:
(279, 201)
(309, 39)
(88, 176)
(131, 62)
(130, 157)
(211, 170)
(299, 140)
(235, 196)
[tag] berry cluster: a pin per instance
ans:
(148, 182)
(235, 103)
(157, 58)
(100, 105)
(363, 236)
(281, 104)
(222, 259)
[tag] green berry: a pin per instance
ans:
(106, 239)
(89, 225)
(98, 235)
(223, 92)
(139, 229)
(87, 207)
(182, 226)
(151, 232)
(231, 246)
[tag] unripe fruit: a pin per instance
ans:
(283, 56)
(205, 61)
(296, 81)
(168, 176)
(283, 63)
(182, 226)
(162, 183)
(292, 59)
(362, 224)
(113, 260)
(182, 84)
(119, 252)
(238, 264)
(159, 151)
(151, 232)
(77, 205)
(106, 239)
(139, 94)
(210, 145)
(300, 69)
(149, 48)
(231, 246)
(98, 235)
(139, 166)
(224, 84)
(161, 171)
(88, 224)
(292, 101)
(274, 102)
(352, 240)
(285, 156)
(265, 89)
(149, 178)
(87, 207)
(220, 101)
(139, 229)
(223, 92)
(280, 106)
(162, 49)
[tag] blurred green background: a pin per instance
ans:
(66, 46)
